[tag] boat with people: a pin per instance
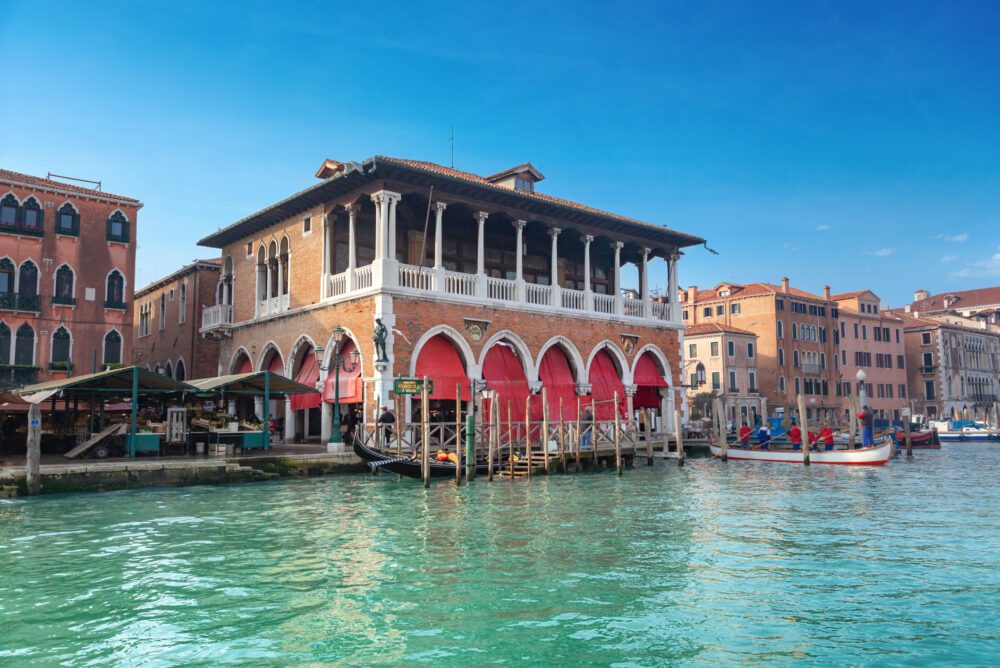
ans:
(876, 455)
(956, 431)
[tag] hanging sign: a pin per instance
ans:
(411, 386)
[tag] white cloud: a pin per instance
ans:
(945, 259)
(823, 228)
(956, 238)
(882, 252)
(981, 268)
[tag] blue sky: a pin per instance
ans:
(849, 143)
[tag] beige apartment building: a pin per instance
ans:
(797, 336)
(871, 340)
(723, 360)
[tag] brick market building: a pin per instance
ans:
(477, 280)
(67, 263)
(871, 339)
(722, 359)
(167, 321)
(797, 338)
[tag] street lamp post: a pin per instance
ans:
(336, 442)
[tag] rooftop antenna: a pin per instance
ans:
(452, 139)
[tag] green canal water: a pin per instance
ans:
(713, 564)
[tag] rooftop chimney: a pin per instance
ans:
(692, 291)
(919, 294)
(784, 284)
(826, 292)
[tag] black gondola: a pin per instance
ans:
(379, 460)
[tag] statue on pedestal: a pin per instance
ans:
(381, 332)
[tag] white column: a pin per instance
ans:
(439, 208)
(281, 277)
(588, 296)
(554, 280)
(328, 226)
(619, 305)
(380, 224)
(393, 201)
(325, 410)
(290, 421)
(481, 290)
(519, 262)
(675, 307)
(647, 307)
(352, 248)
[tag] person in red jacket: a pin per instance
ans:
(813, 440)
(745, 432)
(795, 436)
(826, 434)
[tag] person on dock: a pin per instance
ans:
(867, 419)
(586, 427)
(386, 419)
(745, 432)
(763, 435)
(795, 436)
(826, 435)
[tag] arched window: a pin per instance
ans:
(7, 298)
(179, 370)
(114, 296)
(700, 373)
(27, 286)
(168, 371)
(4, 344)
(272, 265)
(781, 357)
(118, 227)
(798, 386)
(112, 348)
(8, 211)
(182, 305)
(781, 384)
(68, 220)
(32, 217)
(284, 256)
(64, 286)
(60, 349)
(795, 359)
(163, 312)
(24, 346)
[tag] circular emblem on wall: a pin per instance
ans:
(475, 332)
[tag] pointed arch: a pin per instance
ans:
(61, 346)
(180, 370)
(443, 363)
(351, 388)
(168, 369)
(621, 362)
(268, 354)
(6, 343)
(456, 338)
(661, 360)
(112, 348)
(118, 226)
(572, 354)
(64, 284)
(32, 216)
(608, 373)
(240, 360)
(527, 362)
(68, 219)
(10, 210)
(24, 345)
(27, 278)
(114, 289)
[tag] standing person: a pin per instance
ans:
(745, 432)
(826, 434)
(386, 419)
(763, 435)
(867, 418)
(587, 425)
(795, 436)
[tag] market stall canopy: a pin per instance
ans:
(118, 382)
(249, 384)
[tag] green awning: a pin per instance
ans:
(251, 384)
(114, 381)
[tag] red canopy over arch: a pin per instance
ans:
(275, 365)
(605, 381)
(440, 361)
(351, 385)
(557, 379)
(245, 365)
(648, 381)
(308, 375)
(504, 373)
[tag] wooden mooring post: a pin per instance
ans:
(679, 435)
(579, 437)
(647, 429)
(906, 434)
(545, 432)
(510, 441)
(458, 433)
(618, 433)
(720, 429)
(562, 438)
(804, 428)
(425, 432)
(494, 435)
(34, 455)
(527, 432)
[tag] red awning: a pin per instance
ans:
(276, 365)
(604, 381)
(351, 385)
(308, 375)
(648, 381)
(245, 366)
(440, 361)
(557, 379)
(503, 373)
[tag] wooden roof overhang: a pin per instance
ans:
(250, 384)
(408, 178)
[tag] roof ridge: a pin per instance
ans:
(28, 180)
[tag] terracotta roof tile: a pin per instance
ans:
(715, 328)
(8, 176)
(848, 295)
(965, 299)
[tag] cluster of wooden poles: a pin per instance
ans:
(568, 435)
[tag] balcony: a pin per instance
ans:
(19, 374)
(216, 319)
(983, 398)
(61, 300)
(19, 301)
(114, 304)
(928, 369)
(812, 369)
